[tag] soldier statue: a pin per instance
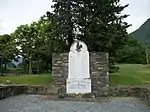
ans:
(78, 45)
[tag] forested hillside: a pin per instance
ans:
(143, 33)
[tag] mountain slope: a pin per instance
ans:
(143, 33)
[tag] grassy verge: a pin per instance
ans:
(131, 74)
(41, 79)
(128, 74)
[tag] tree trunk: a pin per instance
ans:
(30, 65)
(146, 52)
(147, 60)
(38, 66)
(70, 32)
(5, 66)
(1, 66)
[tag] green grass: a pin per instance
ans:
(131, 74)
(41, 79)
(128, 74)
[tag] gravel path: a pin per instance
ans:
(34, 103)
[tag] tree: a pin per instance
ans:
(62, 19)
(25, 39)
(99, 24)
(132, 52)
(43, 46)
(8, 50)
(36, 44)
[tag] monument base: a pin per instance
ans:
(78, 86)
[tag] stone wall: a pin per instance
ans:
(140, 92)
(37, 89)
(8, 91)
(98, 71)
(60, 69)
(136, 91)
(14, 90)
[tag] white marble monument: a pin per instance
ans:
(78, 80)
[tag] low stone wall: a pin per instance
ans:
(36, 89)
(13, 90)
(8, 91)
(127, 91)
(140, 92)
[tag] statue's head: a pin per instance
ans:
(78, 46)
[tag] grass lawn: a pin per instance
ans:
(128, 74)
(41, 79)
(131, 74)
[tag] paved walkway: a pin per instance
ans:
(34, 103)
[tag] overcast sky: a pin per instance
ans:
(17, 12)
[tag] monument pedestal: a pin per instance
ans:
(77, 86)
